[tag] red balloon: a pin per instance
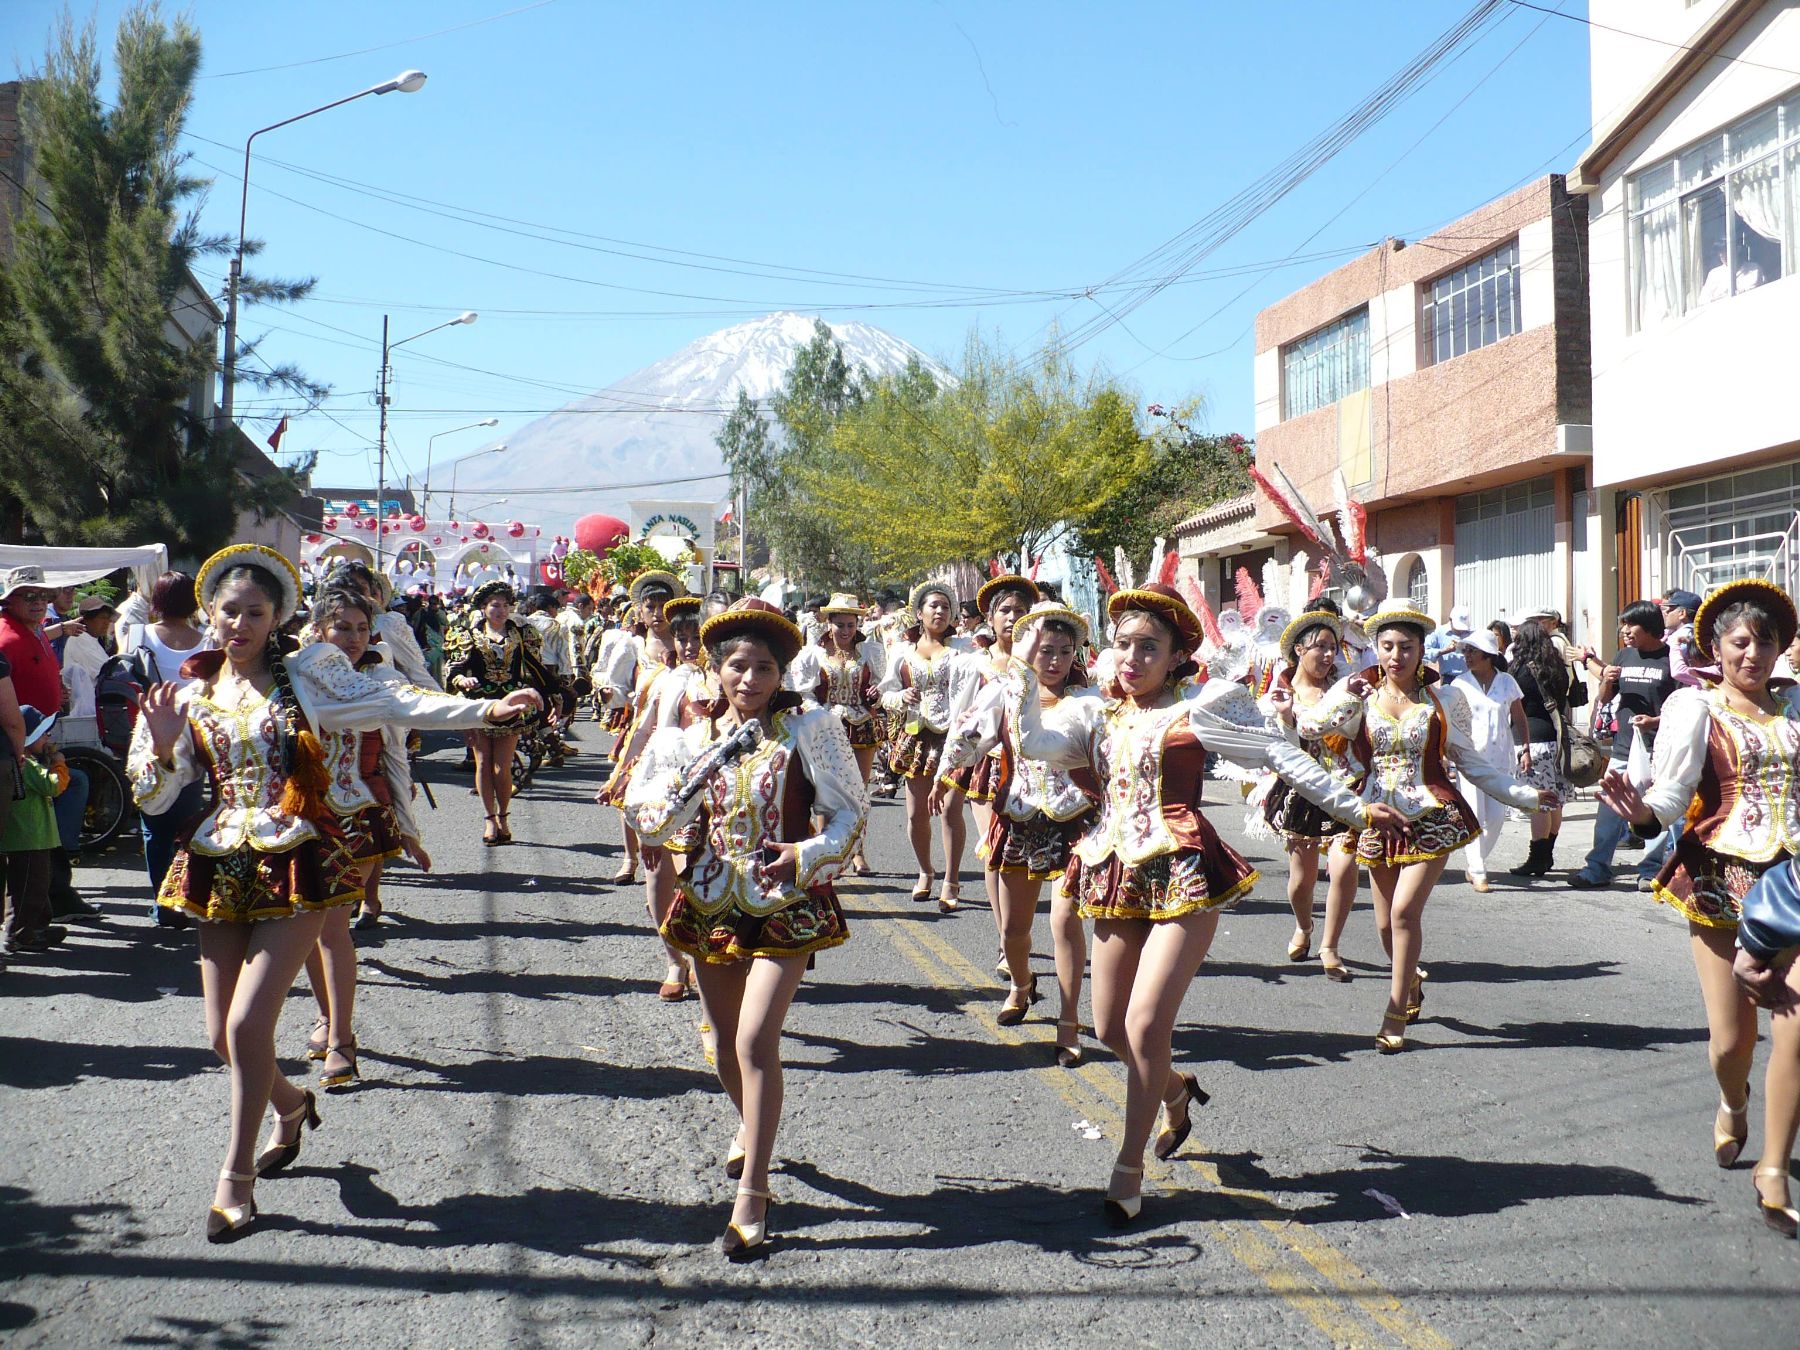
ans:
(330, 522)
(418, 524)
(516, 529)
(353, 510)
(314, 538)
(600, 534)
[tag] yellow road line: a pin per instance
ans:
(1103, 1089)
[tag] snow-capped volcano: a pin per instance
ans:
(654, 426)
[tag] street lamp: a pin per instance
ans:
(457, 463)
(406, 82)
(467, 316)
(484, 422)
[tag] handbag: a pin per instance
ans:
(1583, 760)
(1770, 922)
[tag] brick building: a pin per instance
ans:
(1449, 380)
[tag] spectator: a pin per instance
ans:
(1543, 678)
(1640, 679)
(60, 619)
(36, 673)
(1444, 647)
(1498, 727)
(87, 647)
(1503, 634)
(134, 609)
(12, 747)
(29, 841)
(1678, 609)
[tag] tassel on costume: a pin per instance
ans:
(303, 795)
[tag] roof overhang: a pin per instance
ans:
(1611, 138)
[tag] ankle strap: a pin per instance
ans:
(755, 1194)
(1129, 1171)
(1781, 1172)
(237, 1176)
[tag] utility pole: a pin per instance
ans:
(381, 448)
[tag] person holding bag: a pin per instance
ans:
(1544, 681)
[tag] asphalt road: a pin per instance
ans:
(535, 1155)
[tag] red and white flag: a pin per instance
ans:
(276, 435)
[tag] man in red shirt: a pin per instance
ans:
(36, 674)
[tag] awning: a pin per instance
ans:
(72, 566)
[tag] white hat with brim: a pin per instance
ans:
(22, 579)
(37, 724)
(1484, 641)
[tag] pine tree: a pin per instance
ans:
(97, 442)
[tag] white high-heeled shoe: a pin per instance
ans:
(1122, 1212)
(743, 1240)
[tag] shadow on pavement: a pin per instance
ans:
(1443, 1186)
(1563, 1035)
(927, 998)
(28, 1225)
(546, 927)
(541, 1076)
(249, 1333)
(29, 1063)
(923, 1055)
(515, 983)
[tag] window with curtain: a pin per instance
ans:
(1474, 306)
(1718, 219)
(1323, 367)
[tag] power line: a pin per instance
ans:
(382, 47)
(1661, 42)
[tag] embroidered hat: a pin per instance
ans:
(993, 590)
(925, 588)
(751, 617)
(682, 607)
(1300, 627)
(213, 570)
(1166, 603)
(840, 603)
(1398, 612)
(1049, 609)
(488, 590)
(645, 582)
(1765, 594)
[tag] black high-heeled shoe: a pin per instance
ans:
(1122, 1212)
(1192, 1095)
(745, 1240)
(1018, 1003)
(1784, 1219)
(226, 1223)
(336, 1080)
(278, 1157)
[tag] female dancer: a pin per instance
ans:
(1537, 666)
(1039, 814)
(1151, 871)
(491, 656)
(632, 669)
(849, 684)
(756, 902)
(269, 849)
(1727, 760)
(1404, 730)
(1496, 726)
(1310, 647)
(1002, 602)
(923, 686)
(371, 796)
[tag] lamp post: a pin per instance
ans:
(430, 441)
(467, 316)
(456, 463)
(406, 82)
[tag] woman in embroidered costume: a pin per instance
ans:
(370, 793)
(843, 672)
(489, 656)
(1002, 602)
(1727, 760)
(1151, 871)
(269, 849)
(1040, 813)
(921, 691)
(632, 668)
(755, 901)
(1403, 725)
(1310, 648)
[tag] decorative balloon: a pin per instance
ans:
(314, 538)
(353, 510)
(516, 529)
(600, 534)
(480, 530)
(436, 539)
(418, 524)
(330, 522)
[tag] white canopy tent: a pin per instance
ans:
(72, 566)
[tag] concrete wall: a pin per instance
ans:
(1621, 62)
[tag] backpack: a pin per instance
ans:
(117, 689)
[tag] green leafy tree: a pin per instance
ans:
(98, 444)
(1185, 471)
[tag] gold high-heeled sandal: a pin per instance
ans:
(319, 1038)
(1784, 1219)
(949, 897)
(1192, 1095)
(336, 1080)
(1333, 966)
(277, 1157)
(744, 1240)
(1122, 1211)
(226, 1222)
(1387, 1042)
(1300, 945)
(1728, 1144)
(1415, 1000)
(734, 1159)
(921, 890)
(1068, 1056)
(1018, 1003)
(709, 1044)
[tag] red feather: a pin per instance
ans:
(1250, 601)
(1106, 577)
(1357, 546)
(1318, 584)
(1209, 622)
(1170, 569)
(1034, 567)
(993, 567)
(1283, 504)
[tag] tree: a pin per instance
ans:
(1002, 462)
(1184, 472)
(97, 441)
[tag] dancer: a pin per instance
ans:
(1496, 726)
(1311, 649)
(269, 848)
(491, 655)
(632, 668)
(1404, 726)
(1538, 667)
(1035, 821)
(757, 901)
(371, 796)
(849, 670)
(1151, 871)
(923, 686)
(1727, 760)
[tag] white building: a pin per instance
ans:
(1693, 181)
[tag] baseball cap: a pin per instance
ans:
(1681, 600)
(1461, 619)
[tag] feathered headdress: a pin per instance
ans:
(1106, 577)
(1287, 500)
(1249, 598)
(1209, 622)
(1353, 520)
(1170, 568)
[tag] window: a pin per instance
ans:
(1718, 219)
(1418, 586)
(1319, 370)
(1474, 306)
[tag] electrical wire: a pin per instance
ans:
(1661, 42)
(380, 47)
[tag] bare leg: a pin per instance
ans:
(372, 889)
(1018, 912)
(1068, 937)
(918, 826)
(1730, 1017)
(865, 763)
(1140, 979)
(246, 972)
(955, 831)
(1340, 898)
(659, 888)
(484, 775)
(1411, 888)
(338, 958)
(505, 747)
(990, 879)
(628, 869)
(1303, 877)
(1781, 1099)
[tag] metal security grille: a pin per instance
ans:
(1506, 550)
(1474, 306)
(1727, 529)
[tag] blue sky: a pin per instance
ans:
(950, 146)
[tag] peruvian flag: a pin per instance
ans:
(276, 435)
(727, 517)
